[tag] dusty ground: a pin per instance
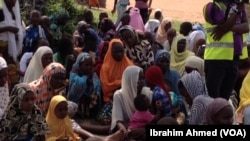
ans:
(182, 10)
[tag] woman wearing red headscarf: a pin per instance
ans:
(154, 79)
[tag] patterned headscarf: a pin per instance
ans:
(42, 87)
(194, 84)
(161, 53)
(15, 121)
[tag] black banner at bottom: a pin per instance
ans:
(218, 133)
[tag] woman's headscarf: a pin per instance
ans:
(59, 128)
(154, 75)
(178, 60)
(151, 25)
(161, 35)
(35, 67)
(244, 94)
(80, 58)
(127, 93)
(42, 87)
(214, 108)
(161, 53)
(196, 62)
(136, 20)
(4, 91)
(194, 84)
(111, 71)
(14, 120)
(193, 38)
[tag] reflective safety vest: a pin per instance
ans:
(224, 48)
(244, 54)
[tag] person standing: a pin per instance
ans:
(11, 30)
(120, 6)
(144, 6)
(225, 25)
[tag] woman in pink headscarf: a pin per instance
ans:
(136, 20)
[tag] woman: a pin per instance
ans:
(193, 88)
(139, 51)
(42, 57)
(195, 63)
(179, 54)
(107, 29)
(50, 83)
(102, 53)
(243, 110)
(137, 21)
(161, 35)
(4, 87)
(85, 86)
(162, 59)
(196, 39)
(27, 123)
(154, 79)
(123, 106)
(219, 112)
(115, 62)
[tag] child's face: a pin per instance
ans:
(61, 110)
(28, 102)
(35, 18)
(58, 80)
(224, 116)
(47, 59)
(117, 51)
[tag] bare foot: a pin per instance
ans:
(117, 136)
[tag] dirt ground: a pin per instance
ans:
(181, 10)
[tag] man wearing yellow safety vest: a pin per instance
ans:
(226, 25)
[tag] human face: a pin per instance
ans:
(47, 59)
(3, 77)
(181, 45)
(28, 101)
(35, 18)
(167, 26)
(61, 110)
(140, 82)
(224, 116)
(117, 51)
(163, 62)
(86, 66)
(129, 37)
(58, 80)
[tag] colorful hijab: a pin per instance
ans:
(126, 94)
(154, 75)
(16, 123)
(111, 71)
(78, 83)
(197, 63)
(136, 20)
(161, 35)
(4, 91)
(214, 108)
(35, 67)
(42, 88)
(178, 60)
(59, 128)
(244, 94)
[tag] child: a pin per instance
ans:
(22, 120)
(33, 32)
(59, 122)
(142, 116)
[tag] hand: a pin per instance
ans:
(217, 33)
(158, 104)
(12, 29)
